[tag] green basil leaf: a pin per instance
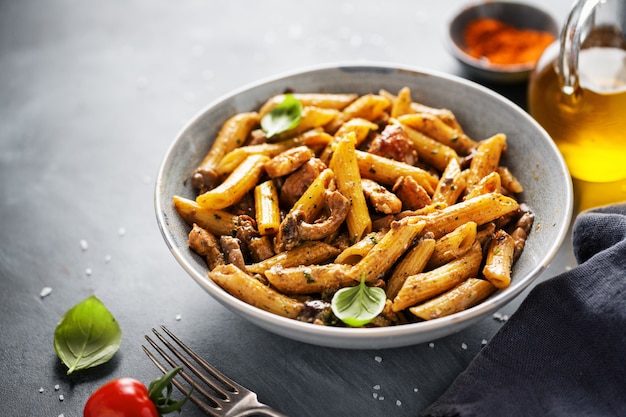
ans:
(357, 306)
(87, 335)
(283, 117)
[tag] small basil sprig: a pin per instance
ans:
(87, 335)
(358, 305)
(283, 117)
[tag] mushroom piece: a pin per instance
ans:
(205, 244)
(296, 230)
(259, 247)
(232, 251)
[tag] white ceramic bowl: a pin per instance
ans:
(533, 158)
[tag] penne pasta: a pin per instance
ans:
(308, 253)
(430, 151)
(266, 207)
(453, 245)
(255, 293)
(348, 178)
(387, 251)
(413, 262)
(499, 259)
(218, 222)
(435, 128)
(374, 187)
(486, 159)
(465, 295)
(310, 279)
(238, 183)
(232, 134)
(425, 285)
(387, 171)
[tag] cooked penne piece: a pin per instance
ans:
(232, 134)
(354, 253)
(348, 178)
(481, 210)
(435, 128)
(451, 184)
(368, 106)
(218, 222)
(360, 127)
(253, 292)
(453, 245)
(387, 171)
(509, 182)
(444, 114)
(465, 295)
(401, 103)
(238, 183)
(387, 251)
(312, 117)
(499, 260)
(310, 279)
(308, 253)
(429, 150)
(486, 159)
(312, 201)
(288, 161)
(425, 285)
(490, 183)
(267, 211)
(235, 157)
(312, 138)
(413, 262)
(326, 101)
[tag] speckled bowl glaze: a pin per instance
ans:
(532, 157)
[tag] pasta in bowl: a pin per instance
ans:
(424, 185)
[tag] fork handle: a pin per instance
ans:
(263, 410)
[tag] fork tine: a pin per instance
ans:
(210, 409)
(214, 372)
(232, 399)
(232, 385)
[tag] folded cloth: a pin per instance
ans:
(563, 352)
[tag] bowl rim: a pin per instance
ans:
(356, 338)
(483, 64)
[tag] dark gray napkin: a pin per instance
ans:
(563, 352)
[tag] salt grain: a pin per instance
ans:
(107, 259)
(121, 231)
(415, 389)
(45, 291)
(178, 317)
(464, 346)
(398, 403)
(431, 345)
(61, 397)
(484, 342)
(380, 398)
(378, 359)
(375, 395)
(56, 387)
(41, 389)
(88, 272)
(376, 387)
(84, 245)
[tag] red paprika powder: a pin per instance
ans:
(503, 44)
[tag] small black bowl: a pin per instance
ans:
(522, 16)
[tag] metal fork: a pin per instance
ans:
(228, 399)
